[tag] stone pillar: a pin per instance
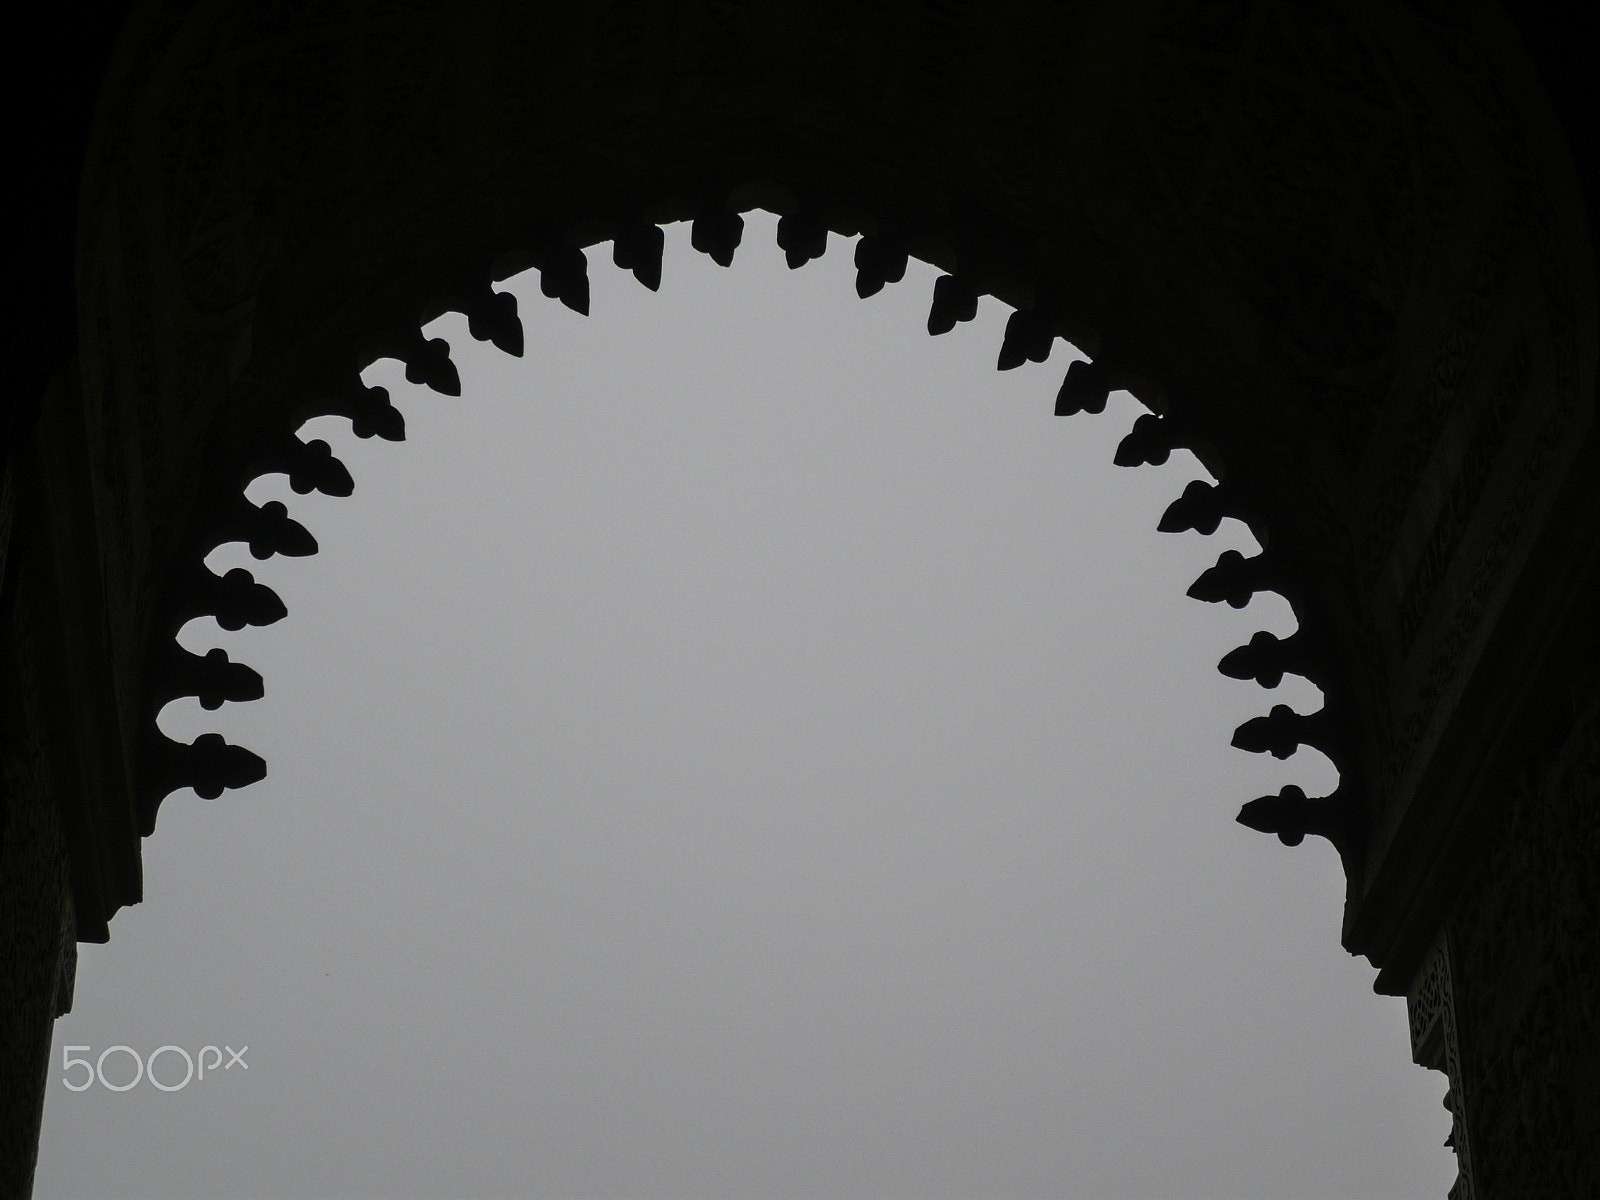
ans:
(1435, 1044)
(1509, 1002)
(38, 934)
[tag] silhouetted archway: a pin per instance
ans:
(1342, 253)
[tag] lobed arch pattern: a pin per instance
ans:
(237, 600)
(210, 765)
(1339, 251)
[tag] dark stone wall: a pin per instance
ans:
(1341, 248)
(1337, 253)
(38, 937)
(1527, 975)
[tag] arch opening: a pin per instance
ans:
(1030, 334)
(979, 348)
(1356, 239)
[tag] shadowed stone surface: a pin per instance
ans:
(1342, 252)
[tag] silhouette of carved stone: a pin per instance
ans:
(1283, 731)
(1267, 658)
(210, 677)
(1201, 508)
(564, 276)
(1291, 814)
(310, 466)
(1150, 442)
(492, 317)
(717, 232)
(953, 302)
(802, 237)
(880, 260)
(1027, 338)
(370, 412)
(209, 765)
(1085, 388)
(638, 248)
(267, 530)
(428, 362)
(235, 599)
(1234, 579)
(1347, 245)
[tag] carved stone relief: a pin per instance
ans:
(1527, 979)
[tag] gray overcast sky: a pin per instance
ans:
(749, 748)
